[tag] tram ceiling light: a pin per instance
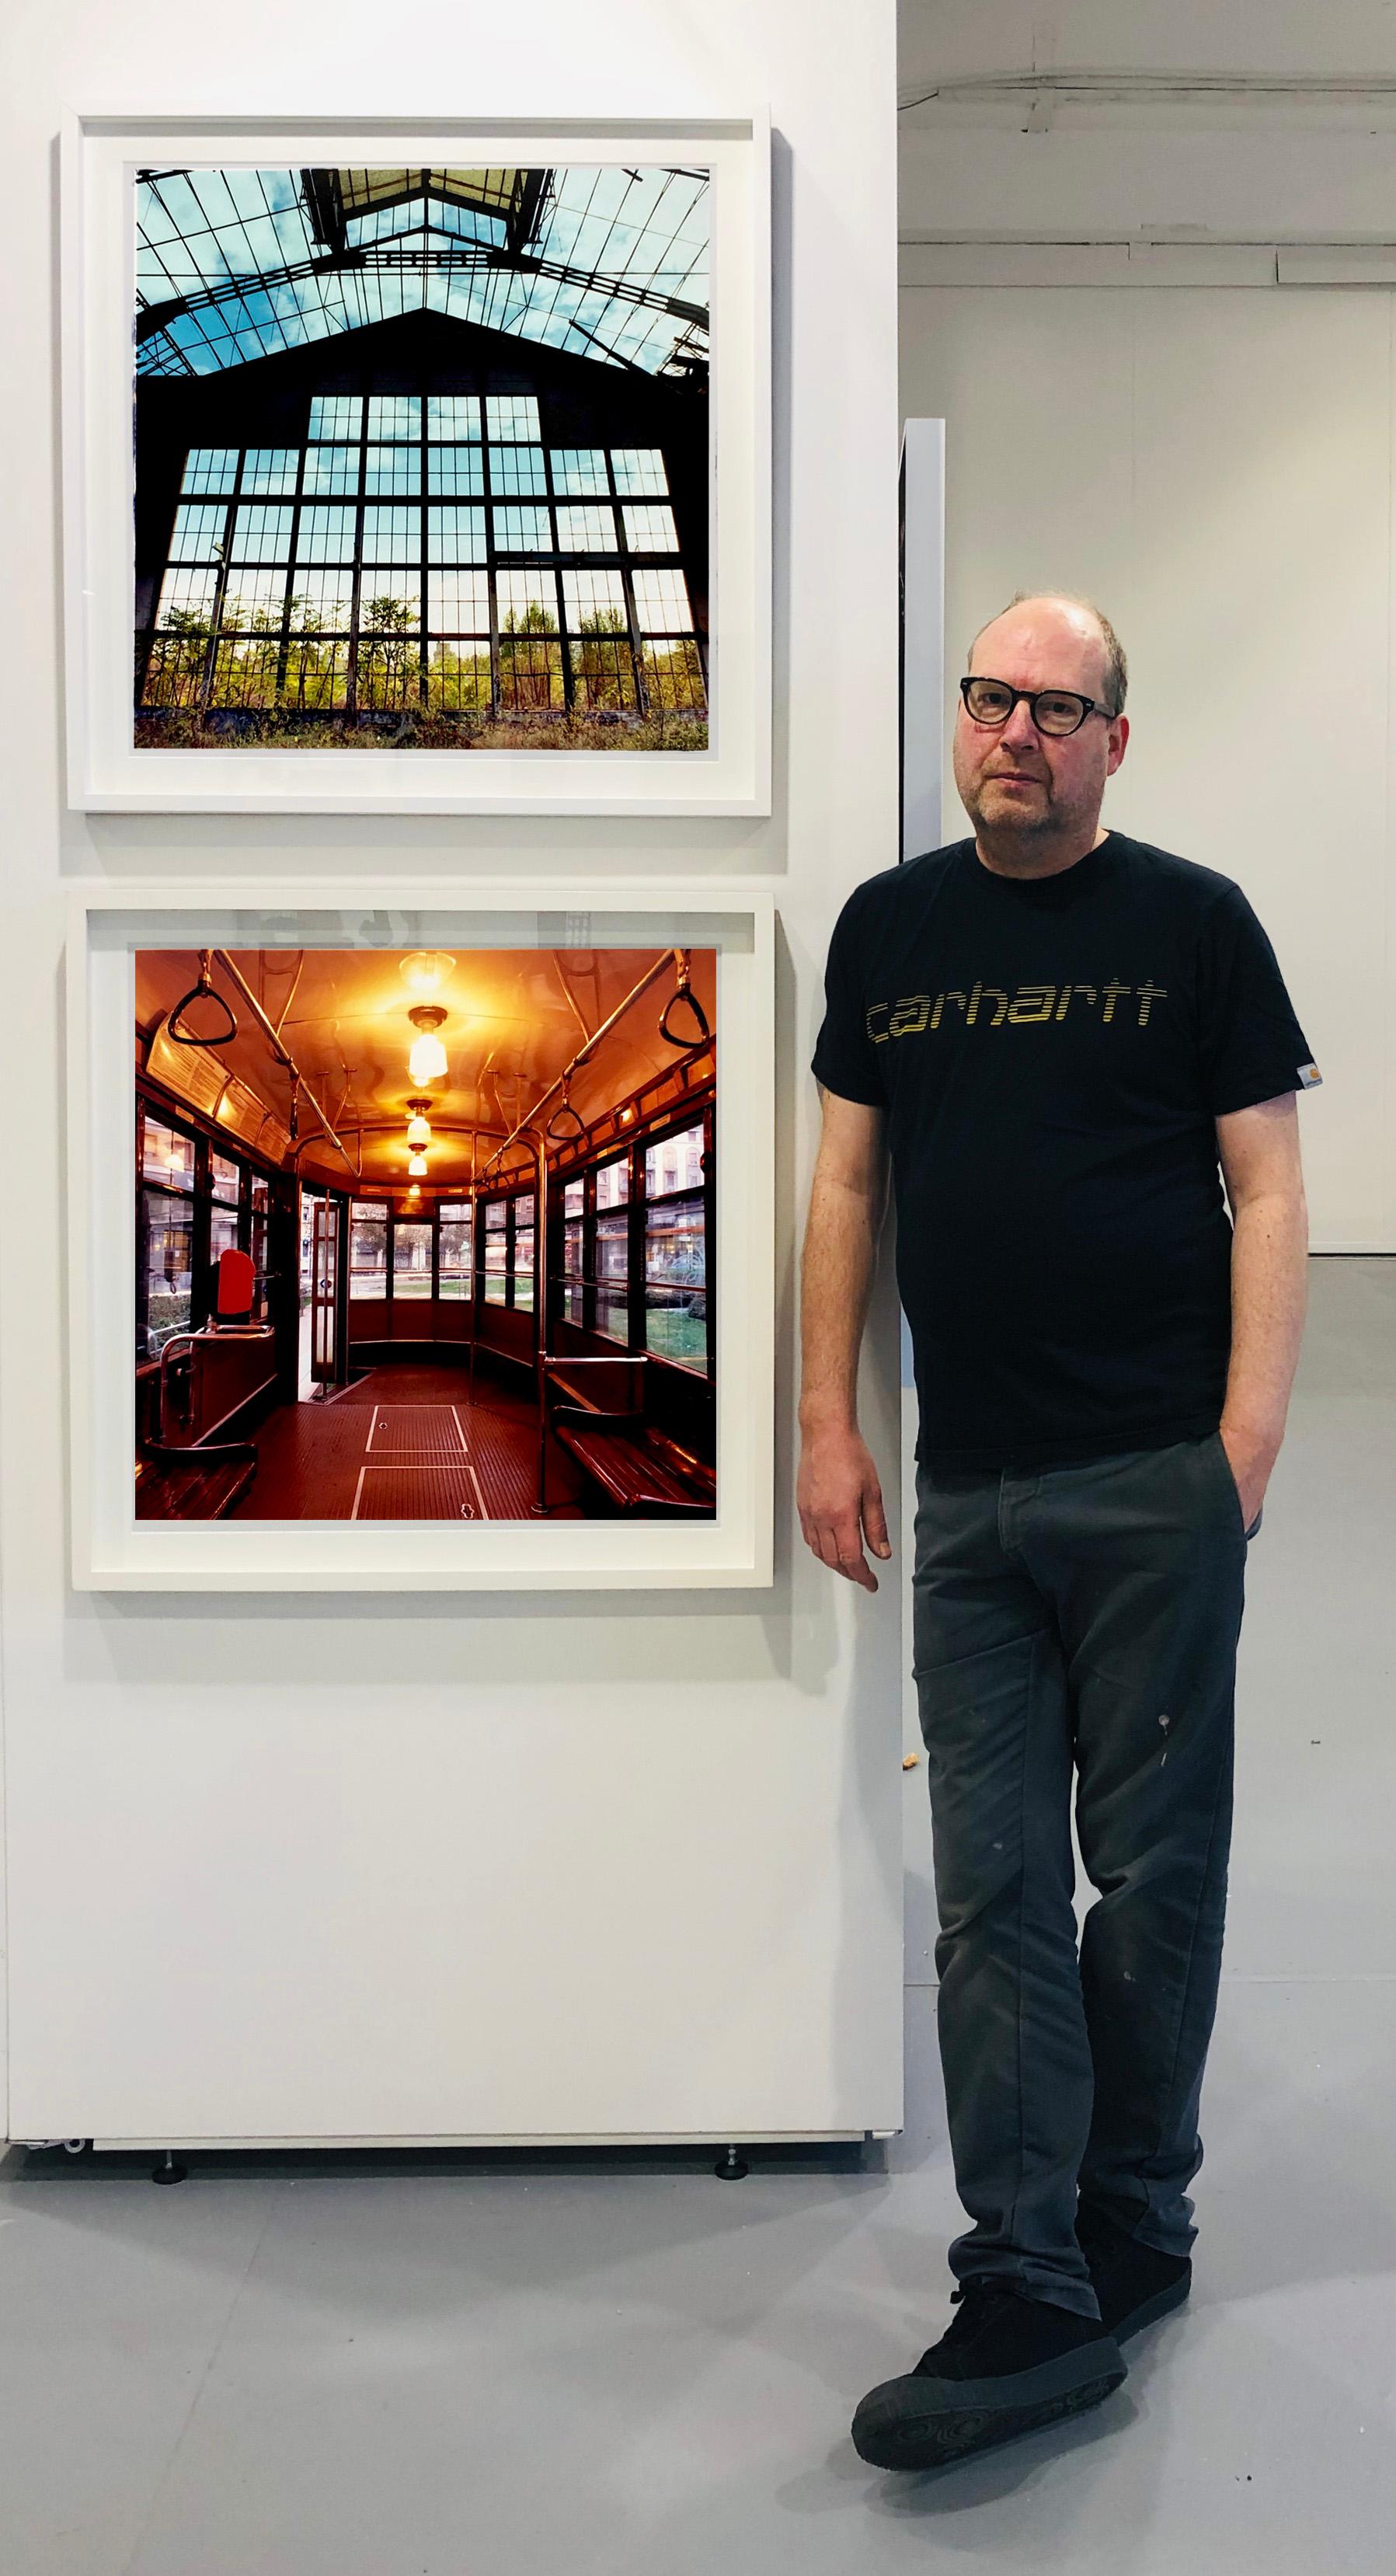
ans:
(419, 1132)
(426, 969)
(417, 1164)
(427, 1061)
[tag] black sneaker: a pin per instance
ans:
(1134, 2284)
(1006, 2365)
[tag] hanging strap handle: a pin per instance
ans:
(560, 1135)
(201, 992)
(684, 994)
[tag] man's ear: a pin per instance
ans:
(1119, 736)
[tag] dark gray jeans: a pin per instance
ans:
(1081, 1617)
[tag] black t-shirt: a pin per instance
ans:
(1052, 1054)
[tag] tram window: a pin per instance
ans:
(521, 1266)
(167, 1264)
(676, 1282)
(676, 1274)
(412, 1258)
(612, 1273)
(454, 1250)
(613, 1184)
(368, 1248)
(222, 1231)
(574, 1199)
(496, 1250)
(167, 1157)
(224, 1178)
(675, 1163)
(257, 1244)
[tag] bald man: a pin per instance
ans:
(1062, 1041)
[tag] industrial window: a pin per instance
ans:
(639, 470)
(336, 416)
(579, 470)
(583, 529)
(517, 469)
(650, 530)
(453, 416)
(293, 580)
(511, 416)
(270, 469)
(392, 469)
(331, 469)
(524, 531)
(211, 469)
(395, 416)
(456, 471)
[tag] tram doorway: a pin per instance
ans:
(321, 1351)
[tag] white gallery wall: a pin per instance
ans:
(471, 1866)
(1148, 265)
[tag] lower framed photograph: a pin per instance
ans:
(422, 1242)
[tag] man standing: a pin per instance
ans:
(1056, 1033)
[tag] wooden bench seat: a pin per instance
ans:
(176, 1484)
(636, 1466)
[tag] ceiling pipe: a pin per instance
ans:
(652, 977)
(285, 1058)
(1125, 88)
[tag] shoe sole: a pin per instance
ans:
(929, 2422)
(1149, 2311)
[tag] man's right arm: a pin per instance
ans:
(838, 1494)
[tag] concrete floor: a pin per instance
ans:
(467, 2367)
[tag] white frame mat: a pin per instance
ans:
(111, 1551)
(105, 769)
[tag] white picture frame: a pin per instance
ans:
(107, 771)
(110, 1550)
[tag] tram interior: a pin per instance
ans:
(424, 1236)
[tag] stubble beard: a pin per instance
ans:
(1011, 820)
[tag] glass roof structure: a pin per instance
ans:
(236, 264)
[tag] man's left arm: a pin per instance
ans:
(1258, 1149)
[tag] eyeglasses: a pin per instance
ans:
(1054, 711)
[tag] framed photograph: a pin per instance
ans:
(412, 1247)
(440, 487)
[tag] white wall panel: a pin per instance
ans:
(341, 1866)
(1216, 468)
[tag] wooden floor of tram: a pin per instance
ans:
(406, 1444)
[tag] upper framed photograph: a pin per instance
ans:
(438, 488)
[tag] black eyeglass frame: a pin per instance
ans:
(1088, 706)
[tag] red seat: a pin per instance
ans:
(237, 1282)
